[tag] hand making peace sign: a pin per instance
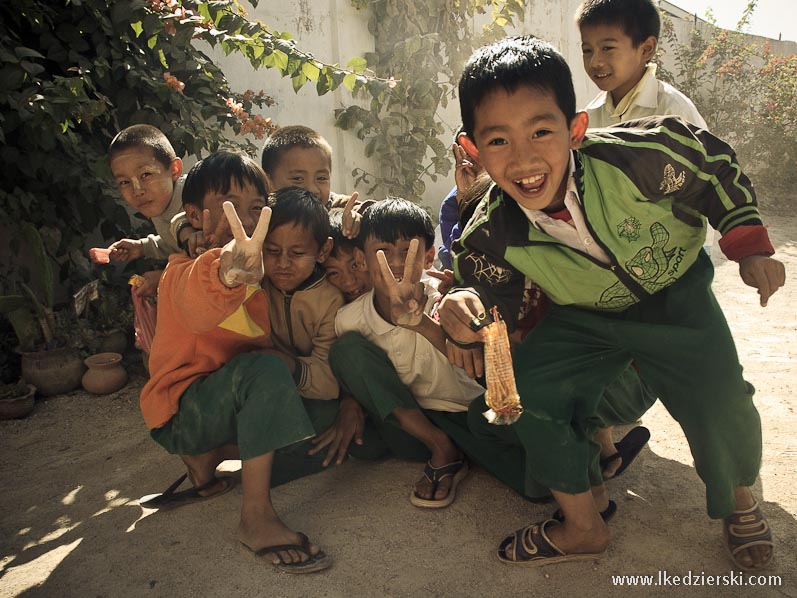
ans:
(242, 258)
(351, 219)
(407, 298)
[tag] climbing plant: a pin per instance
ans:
(422, 44)
(74, 72)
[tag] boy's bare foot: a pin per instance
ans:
(747, 533)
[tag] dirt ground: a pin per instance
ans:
(71, 474)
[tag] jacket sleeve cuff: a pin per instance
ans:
(746, 240)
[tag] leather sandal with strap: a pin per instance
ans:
(746, 529)
(530, 546)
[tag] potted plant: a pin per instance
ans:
(49, 361)
(16, 400)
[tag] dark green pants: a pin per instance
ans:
(684, 350)
(251, 401)
(366, 373)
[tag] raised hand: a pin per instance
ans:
(208, 238)
(242, 258)
(446, 278)
(465, 171)
(407, 299)
(351, 219)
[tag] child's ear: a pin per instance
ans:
(176, 169)
(649, 47)
(359, 258)
(194, 215)
(469, 146)
(326, 248)
(578, 128)
(428, 259)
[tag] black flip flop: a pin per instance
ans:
(169, 498)
(314, 562)
(606, 514)
(627, 450)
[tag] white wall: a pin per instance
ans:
(333, 31)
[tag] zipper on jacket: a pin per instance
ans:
(287, 304)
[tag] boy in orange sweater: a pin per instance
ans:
(211, 395)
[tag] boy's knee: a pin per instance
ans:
(257, 368)
(348, 350)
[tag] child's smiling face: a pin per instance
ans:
(611, 60)
(290, 254)
(524, 143)
(304, 167)
(347, 272)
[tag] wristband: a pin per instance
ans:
(180, 226)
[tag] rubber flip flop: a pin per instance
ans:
(627, 450)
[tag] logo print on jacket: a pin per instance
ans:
(671, 183)
(648, 266)
(484, 271)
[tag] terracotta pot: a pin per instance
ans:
(53, 372)
(18, 406)
(105, 374)
(113, 341)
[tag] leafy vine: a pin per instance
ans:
(422, 44)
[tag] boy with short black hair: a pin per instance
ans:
(213, 394)
(618, 41)
(610, 225)
(302, 308)
(150, 178)
(393, 362)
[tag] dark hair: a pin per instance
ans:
(143, 136)
(216, 173)
(639, 19)
(395, 218)
(509, 64)
(336, 232)
(287, 137)
(294, 205)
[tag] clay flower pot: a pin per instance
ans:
(18, 406)
(105, 374)
(53, 372)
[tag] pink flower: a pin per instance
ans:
(391, 83)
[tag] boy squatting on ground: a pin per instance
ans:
(213, 395)
(150, 178)
(639, 290)
(302, 309)
(395, 366)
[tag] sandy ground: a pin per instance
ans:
(72, 471)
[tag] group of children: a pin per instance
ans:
(297, 326)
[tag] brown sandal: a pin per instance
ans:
(745, 529)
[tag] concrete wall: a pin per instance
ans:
(334, 32)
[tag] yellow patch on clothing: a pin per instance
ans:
(241, 322)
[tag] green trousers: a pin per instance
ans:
(251, 401)
(366, 373)
(681, 343)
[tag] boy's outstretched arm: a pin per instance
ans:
(763, 273)
(241, 260)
